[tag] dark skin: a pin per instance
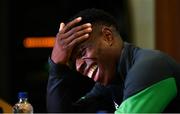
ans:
(94, 49)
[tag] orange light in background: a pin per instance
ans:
(39, 42)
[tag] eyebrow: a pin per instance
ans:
(76, 51)
(80, 49)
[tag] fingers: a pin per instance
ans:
(79, 34)
(69, 35)
(77, 41)
(61, 26)
(65, 38)
(79, 28)
(71, 24)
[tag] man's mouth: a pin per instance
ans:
(91, 71)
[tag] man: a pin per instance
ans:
(92, 70)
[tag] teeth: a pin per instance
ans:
(92, 69)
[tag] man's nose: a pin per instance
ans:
(80, 65)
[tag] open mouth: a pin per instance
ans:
(92, 71)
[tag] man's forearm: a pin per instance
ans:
(65, 87)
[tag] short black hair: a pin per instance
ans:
(97, 16)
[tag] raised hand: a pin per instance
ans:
(67, 38)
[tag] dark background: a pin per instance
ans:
(26, 69)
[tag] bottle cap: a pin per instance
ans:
(22, 95)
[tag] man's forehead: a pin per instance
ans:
(82, 45)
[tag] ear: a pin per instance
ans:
(107, 35)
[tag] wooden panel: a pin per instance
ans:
(167, 24)
(7, 108)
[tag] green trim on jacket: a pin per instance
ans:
(153, 99)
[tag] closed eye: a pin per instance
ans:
(81, 53)
(77, 53)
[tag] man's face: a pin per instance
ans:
(93, 58)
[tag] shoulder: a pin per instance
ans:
(149, 67)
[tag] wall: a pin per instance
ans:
(142, 22)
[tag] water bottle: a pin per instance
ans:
(23, 106)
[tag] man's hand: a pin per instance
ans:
(67, 38)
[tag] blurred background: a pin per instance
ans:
(27, 30)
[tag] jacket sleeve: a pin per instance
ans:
(153, 99)
(65, 87)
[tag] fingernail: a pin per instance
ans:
(86, 35)
(79, 18)
(61, 26)
(89, 29)
(88, 24)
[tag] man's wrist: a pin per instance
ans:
(56, 69)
